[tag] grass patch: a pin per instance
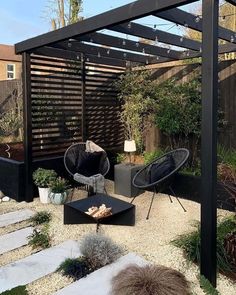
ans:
(207, 286)
(40, 239)
(20, 290)
(190, 243)
(41, 217)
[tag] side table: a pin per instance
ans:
(124, 174)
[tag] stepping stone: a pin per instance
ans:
(36, 266)
(14, 239)
(16, 216)
(99, 282)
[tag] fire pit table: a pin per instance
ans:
(123, 213)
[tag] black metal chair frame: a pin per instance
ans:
(164, 182)
(105, 169)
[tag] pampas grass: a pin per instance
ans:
(99, 250)
(149, 280)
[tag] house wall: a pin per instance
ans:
(3, 69)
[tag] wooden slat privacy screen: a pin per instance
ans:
(57, 97)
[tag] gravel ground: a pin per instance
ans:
(148, 238)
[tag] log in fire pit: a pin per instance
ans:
(109, 211)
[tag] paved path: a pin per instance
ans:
(15, 239)
(36, 266)
(99, 282)
(16, 216)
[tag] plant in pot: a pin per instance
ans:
(58, 192)
(42, 178)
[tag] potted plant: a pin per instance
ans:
(42, 178)
(58, 191)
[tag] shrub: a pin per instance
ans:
(39, 239)
(148, 280)
(151, 156)
(20, 290)
(43, 177)
(41, 217)
(190, 243)
(99, 250)
(76, 268)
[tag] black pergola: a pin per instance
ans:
(83, 41)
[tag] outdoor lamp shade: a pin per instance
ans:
(129, 146)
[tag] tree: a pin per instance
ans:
(227, 19)
(63, 12)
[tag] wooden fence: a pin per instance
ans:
(227, 98)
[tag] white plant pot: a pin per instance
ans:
(44, 195)
(58, 198)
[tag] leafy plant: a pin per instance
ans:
(190, 243)
(41, 217)
(76, 268)
(40, 238)
(179, 112)
(59, 185)
(43, 177)
(151, 156)
(207, 286)
(226, 156)
(120, 157)
(99, 250)
(20, 290)
(136, 92)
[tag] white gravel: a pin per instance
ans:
(148, 238)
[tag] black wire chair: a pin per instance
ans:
(71, 159)
(142, 180)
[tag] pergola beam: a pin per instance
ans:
(233, 2)
(100, 51)
(66, 54)
(148, 33)
(107, 40)
(184, 18)
(104, 20)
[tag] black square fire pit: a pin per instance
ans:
(123, 213)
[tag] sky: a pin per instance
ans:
(23, 19)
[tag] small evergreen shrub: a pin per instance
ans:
(41, 217)
(99, 250)
(20, 290)
(148, 280)
(40, 239)
(190, 243)
(76, 268)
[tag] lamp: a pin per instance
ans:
(129, 147)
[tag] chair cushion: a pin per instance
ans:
(160, 170)
(88, 164)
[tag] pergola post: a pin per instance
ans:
(83, 97)
(27, 117)
(209, 138)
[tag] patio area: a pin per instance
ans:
(109, 81)
(149, 239)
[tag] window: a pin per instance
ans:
(10, 71)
